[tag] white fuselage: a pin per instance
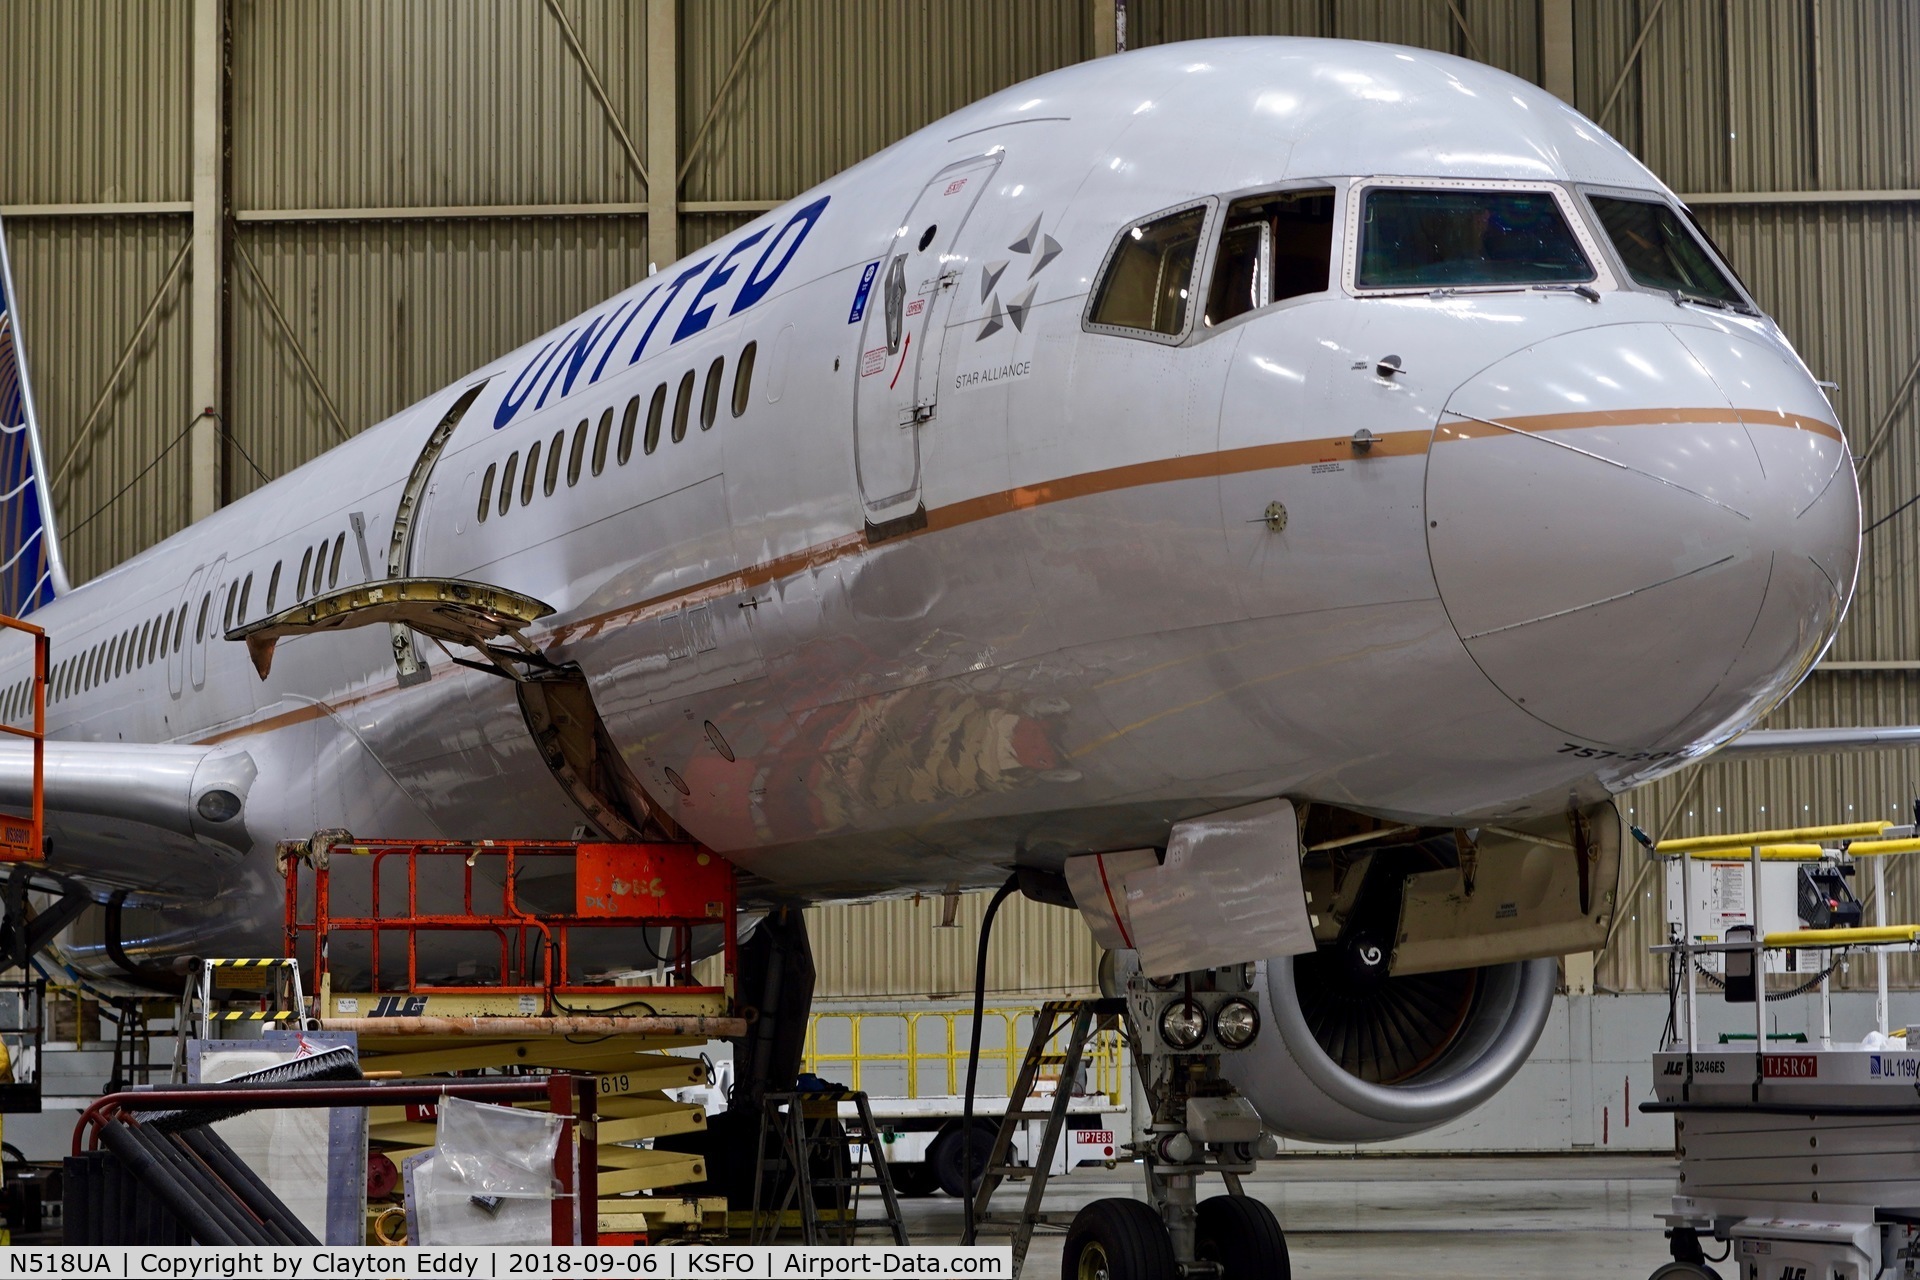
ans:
(1592, 537)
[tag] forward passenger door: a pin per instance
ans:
(906, 304)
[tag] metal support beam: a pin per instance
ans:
(1106, 27)
(614, 121)
(83, 437)
(663, 129)
(720, 93)
(207, 305)
(1460, 21)
(286, 331)
(1895, 196)
(1633, 57)
(1556, 48)
(116, 209)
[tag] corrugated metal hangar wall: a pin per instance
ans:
(303, 217)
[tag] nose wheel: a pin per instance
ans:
(1242, 1237)
(1117, 1239)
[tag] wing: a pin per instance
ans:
(1800, 742)
(157, 818)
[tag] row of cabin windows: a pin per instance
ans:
(129, 651)
(134, 648)
(577, 456)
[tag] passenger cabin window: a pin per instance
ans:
(554, 446)
(486, 496)
(600, 435)
(1149, 275)
(1414, 239)
(656, 413)
(273, 588)
(576, 455)
(246, 592)
(1272, 248)
(682, 405)
(710, 394)
(533, 473)
(1660, 252)
(506, 482)
(628, 420)
(743, 379)
(300, 586)
(333, 562)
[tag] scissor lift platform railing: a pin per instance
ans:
(539, 1015)
(670, 888)
(1799, 1157)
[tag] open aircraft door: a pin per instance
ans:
(906, 299)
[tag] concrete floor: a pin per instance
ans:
(1435, 1218)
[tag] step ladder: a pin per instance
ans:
(1082, 1020)
(794, 1127)
(222, 994)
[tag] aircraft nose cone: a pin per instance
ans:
(1643, 533)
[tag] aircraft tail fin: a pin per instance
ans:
(31, 571)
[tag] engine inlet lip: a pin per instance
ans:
(1463, 1082)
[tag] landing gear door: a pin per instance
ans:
(900, 338)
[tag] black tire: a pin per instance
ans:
(1117, 1239)
(1243, 1236)
(1685, 1271)
(948, 1153)
(914, 1179)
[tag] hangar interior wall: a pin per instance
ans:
(407, 189)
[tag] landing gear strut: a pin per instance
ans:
(1180, 1028)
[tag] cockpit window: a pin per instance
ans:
(1661, 253)
(1450, 239)
(1150, 275)
(1274, 247)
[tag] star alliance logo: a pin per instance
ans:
(1039, 250)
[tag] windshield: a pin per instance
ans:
(1147, 281)
(1448, 239)
(1660, 253)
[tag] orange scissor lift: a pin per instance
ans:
(370, 922)
(23, 837)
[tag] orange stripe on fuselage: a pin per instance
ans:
(1198, 466)
(1646, 418)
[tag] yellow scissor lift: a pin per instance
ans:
(1801, 1158)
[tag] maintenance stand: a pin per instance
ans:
(1801, 1162)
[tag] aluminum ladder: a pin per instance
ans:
(1082, 1020)
(799, 1125)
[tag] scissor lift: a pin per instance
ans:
(1801, 1161)
(532, 1007)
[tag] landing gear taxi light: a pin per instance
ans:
(1183, 1025)
(1237, 1023)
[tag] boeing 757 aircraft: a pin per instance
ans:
(1273, 491)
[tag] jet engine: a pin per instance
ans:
(1434, 970)
(1353, 1053)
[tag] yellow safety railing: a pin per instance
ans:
(1747, 839)
(946, 1057)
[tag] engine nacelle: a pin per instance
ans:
(1349, 1056)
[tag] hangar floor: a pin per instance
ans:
(1466, 1218)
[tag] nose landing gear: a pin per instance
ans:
(1180, 1028)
